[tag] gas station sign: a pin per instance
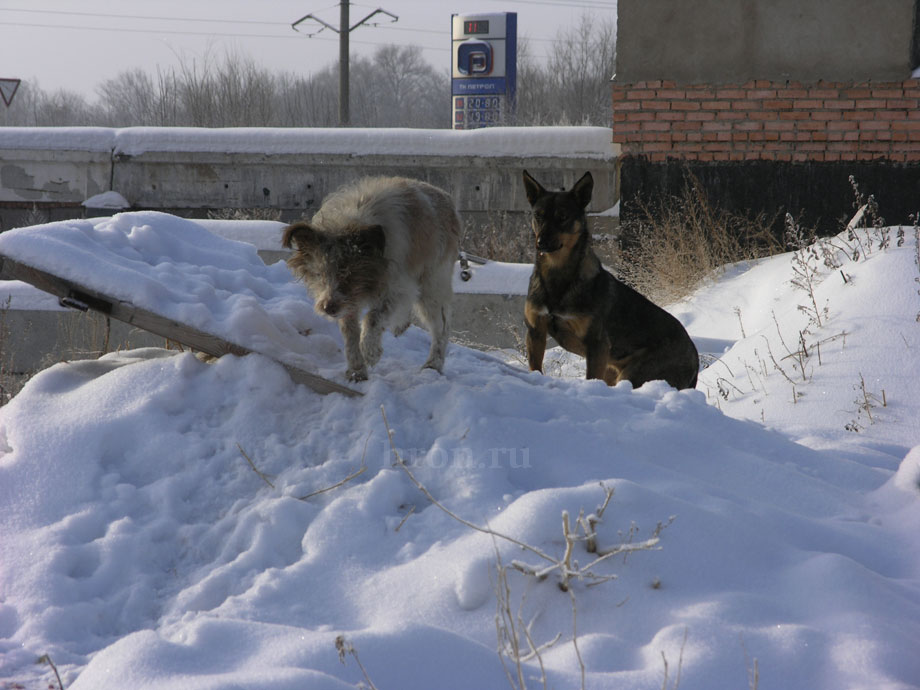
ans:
(484, 69)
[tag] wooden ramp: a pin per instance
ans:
(70, 294)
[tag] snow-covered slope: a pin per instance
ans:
(160, 524)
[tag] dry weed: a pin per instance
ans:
(670, 247)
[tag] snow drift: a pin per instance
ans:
(165, 523)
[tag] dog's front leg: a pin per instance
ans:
(372, 333)
(596, 359)
(537, 321)
(351, 334)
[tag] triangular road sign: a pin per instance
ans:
(8, 89)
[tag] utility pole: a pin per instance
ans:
(344, 29)
(344, 92)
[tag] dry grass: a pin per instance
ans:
(500, 236)
(245, 214)
(671, 247)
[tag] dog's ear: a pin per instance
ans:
(532, 188)
(583, 188)
(371, 240)
(299, 236)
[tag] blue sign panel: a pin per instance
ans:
(484, 63)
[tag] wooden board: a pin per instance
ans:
(76, 296)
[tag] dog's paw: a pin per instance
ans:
(356, 375)
(432, 364)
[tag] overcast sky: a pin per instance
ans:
(77, 45)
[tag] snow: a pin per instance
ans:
(569, 142)
(107, 200)
(141, 549)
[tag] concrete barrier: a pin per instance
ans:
(191, 171)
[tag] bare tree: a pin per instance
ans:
(574, 85)
(395, 87)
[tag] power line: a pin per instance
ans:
(249, 35)
(108, 15)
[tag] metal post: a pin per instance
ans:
(344, 32)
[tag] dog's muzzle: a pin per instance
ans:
(547, 248)
(328, 307)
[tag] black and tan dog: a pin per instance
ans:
(623, 335)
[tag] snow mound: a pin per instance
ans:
(170, 523)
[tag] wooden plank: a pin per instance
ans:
(76, 296)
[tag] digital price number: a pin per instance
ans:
(471, 112)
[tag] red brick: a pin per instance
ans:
(905, 103)
(701, 92)
(823, 93)
(700, 116)
(905, 125)
(731, 115)
(794, 115)
(778, 104)
(685, 105)
(807, 103)
(874, 125)
(730, 93)
(672, 94)
(891, 115)
(887, 93)
(715, 105)
(810, 125)
(761, 94)
(870, 103)
(746, 105)
(656, 105)
(780, 125)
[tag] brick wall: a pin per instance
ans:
(769, 121)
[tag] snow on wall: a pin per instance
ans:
(569, 142)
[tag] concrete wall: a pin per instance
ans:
(189, 172)
(733, 41)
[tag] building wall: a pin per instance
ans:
(769, 120)
(771, 104)
(733, 41)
